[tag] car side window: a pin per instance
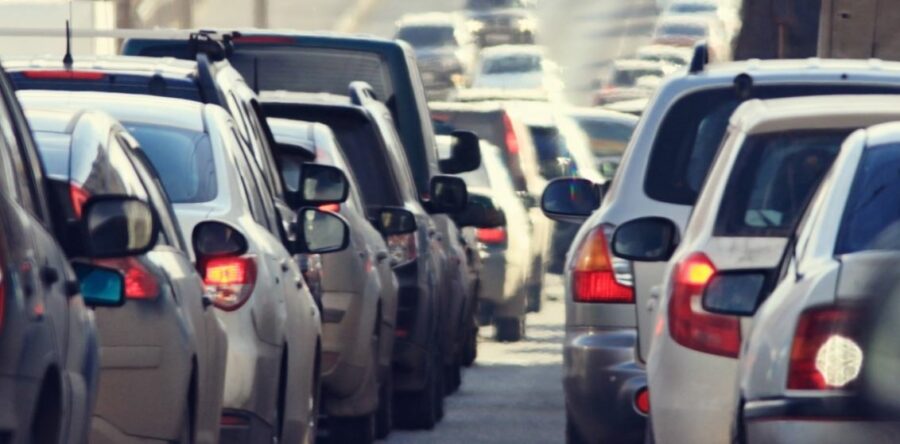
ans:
(266, 198)
(251, 188)
(158, 197)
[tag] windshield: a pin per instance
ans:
(427, 36)
(682, 30)
(512, 64)
(183, 159)
(691, 8)
(493, 4)
(872, 218)
(773, 179)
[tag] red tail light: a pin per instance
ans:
(597, 276)
(403, 248)
(824, 355)
(264, 40)
(230, 281)
(512, 143)
(331, 208)
(63, 75)
(642, 401)
(79, 197)
(139, 282)
(491, 236)
(689, 324)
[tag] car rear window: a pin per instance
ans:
(183, 160)
(871, 220)
(607, 138)
(491, 4)
(512, 64)
(551, 148)
(773, 179)
(682, 30)
(690, 134)
(55, 152)
(488, 126)
(630, 76)
(427, 36)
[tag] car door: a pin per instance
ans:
(210, 337)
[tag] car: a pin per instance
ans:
(628, 81)
(724, 12)
(773, 158)
(446, 52)
(609, 133)
(518, 68)
(495, 124)
(48, 393)
(272, 322)
(503, 22)
(605, 341)
(827, 305)
(359, 304)
(424, 339)
(688, 30)
(505, 249)
(677, 57)
(167, 334)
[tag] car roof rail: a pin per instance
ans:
(700, 58)
(361, 92)
(204, 42)
(209, 90)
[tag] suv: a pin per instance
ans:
(48, 393)
(503, 21)
(425, 335)
(661, 174)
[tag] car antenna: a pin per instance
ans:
(67, 59)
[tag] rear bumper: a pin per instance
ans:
(600, 381)
(814, 421)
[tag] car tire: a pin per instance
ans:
(470, 348)
(534, 298)
(354, 430)
(509, 329)
(440, 386)
(572, 435)
(384, 420)
(315, 401)
(453, 374)
(418, 410)
(485, 313)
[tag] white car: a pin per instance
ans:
(518, 67)
(802, 358)
(270, 318)
(677, 57)
(688, 30)
(774, 157)
(727, 14)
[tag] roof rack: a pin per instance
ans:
(361, 92)
(700, 58)
(204, 42)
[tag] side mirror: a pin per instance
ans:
(313, 183)
(393, 221)
(216, 239)
(481, 212)
(570, 199)
(735, 294)
(448, 194)
(116, 226)
(321, 232)
(100, 286)
(465, 153)
(650, 239)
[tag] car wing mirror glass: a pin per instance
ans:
(321, 232)
(217, 239)
(100, 286)
(395, 221)
(465, 154)
(481, 212)
(570, 199)
(117, 226)
(449, 194)
(735, 294)
(649, 239)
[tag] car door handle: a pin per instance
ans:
(381, 256)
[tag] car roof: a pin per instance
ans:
(813, 112)
(783, 69)
(443, 19)
(163, 111)
(505, 50)
(169, 67)
(282, 96)
(53, 120)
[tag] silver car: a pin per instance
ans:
(661, 174)
(359, 305)
(800, 367)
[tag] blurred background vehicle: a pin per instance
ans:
(677, 57)
(446, 52)
(359, 305)
(625, 81)
(518, 68)
(503, 22)
(688, 30)
(89, 154)
(608, 133)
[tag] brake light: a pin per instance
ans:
(79, 197)
(491, 236)
(63, 75)
(229, 281)
(597, 276)
(642, 401)
(331, 208)
(824, 355)
(403, 248)
(689, 324)
(264, 40)
(512, 143)
(139, 282)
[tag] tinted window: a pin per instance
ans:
(512, 64)
(361, 145)
(54, 149)
(491, 4)
(872, 217)
(183, 159)
(679, 30)
(772, 181)
(427, 36)
(692, 8)
(607, 138)
(551, 147)
(691, 132)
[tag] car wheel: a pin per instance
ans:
(534, 298)
(453, 375)
(418, 410)
(485, 313)
(358, 430)
(440, 385)
(470, 348)
(313, 404)
(510, 329)
(384, 420)
(572, 435)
